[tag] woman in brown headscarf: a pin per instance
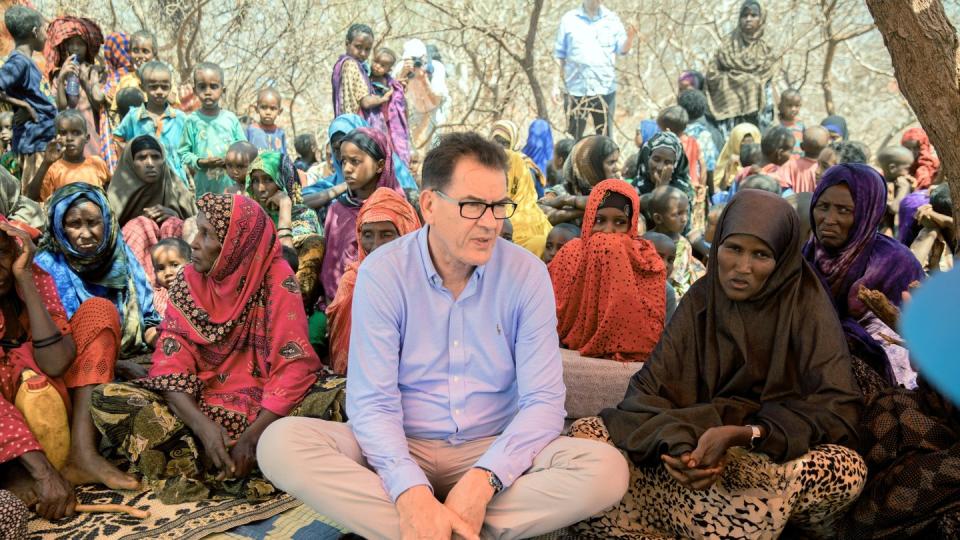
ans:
(740, 419)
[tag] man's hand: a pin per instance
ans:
(691, 477)
(470, 497)
(714, 443)
(422, 516)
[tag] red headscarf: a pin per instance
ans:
(610, 288)
(236, 336)
(927, 164)
(384, 205)
(62, 29)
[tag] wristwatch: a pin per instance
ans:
(755, 436)
(494, 481)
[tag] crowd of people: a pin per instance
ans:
(373, 322)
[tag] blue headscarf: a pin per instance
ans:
(539, 147)
(647, 129)
(111, 272)
(342, 125)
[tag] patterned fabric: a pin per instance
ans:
(686, 268)
(112, 272)
(13, 515)
(116, 53)
(609, 287)
(911, 441)
(11, 164)
(141, 234)
(385, 205)
(63, 28)
(743, 66)
(927, 165)
(681, 170)
(137, 424)
(508, 132)
(241, 327)
(583, 168)
(351, 83)
(708, 149)
(754, 498)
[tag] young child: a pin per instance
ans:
(560, 234)
(237, 162)
(143, 48)
(156, 115)
(895, 163)
(394, 110)
(23, 86)
(674, 119)
(169, 255)
(669, 209)
(800, 173)
(352, 91)
(777, 147)
(561, 149)
(208, 132)
(667, 250)
(306, 146)
(789, 107)
(71, 51)
(8, 158)
(64, 161)
(506, 232)
(265, 134)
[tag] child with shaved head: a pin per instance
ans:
(264, 133)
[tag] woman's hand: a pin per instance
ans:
(215, 441)
(714, 443)
(23, 265)
(244, 454)
(692, 477)
(159, 213)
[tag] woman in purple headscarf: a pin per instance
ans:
(363, 156)
(353, 93)
(848, 252)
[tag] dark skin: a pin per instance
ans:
(359, 48)
(26, 46)
(360, 171)
(790, 108)
(269, 195)
(506, 232)
(141, 49)
(555, 240)
(68, 145)
(157, 84)
(269, 108)
(230, 458)
(209, 89)
(148, 165)
(674, 219)
(570, 208)
(661, 164)
(6, 130)
(833, 216)
(744, 264)
(87, 73)
(611, 220)
(376, 234)
(322, 199)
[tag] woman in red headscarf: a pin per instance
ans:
(232, 357)
(926, 164)
(385, 217)
(610, 284)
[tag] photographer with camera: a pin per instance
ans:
(427, 94)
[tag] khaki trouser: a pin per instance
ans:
(321, 463)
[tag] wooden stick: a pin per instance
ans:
(135, 512)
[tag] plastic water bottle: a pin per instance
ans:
(46, 416)
(71, 86)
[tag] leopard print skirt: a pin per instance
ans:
(755, 498)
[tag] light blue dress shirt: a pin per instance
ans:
(426, 366)
(589, 48)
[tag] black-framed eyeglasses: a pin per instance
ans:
(476, 209)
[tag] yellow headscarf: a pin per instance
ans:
(727, 167)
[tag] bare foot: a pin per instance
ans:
(82, 468)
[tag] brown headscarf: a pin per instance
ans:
(584, 166)
(128, 195)
(778, 360)
(743, 66)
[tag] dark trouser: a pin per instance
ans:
(599, 108)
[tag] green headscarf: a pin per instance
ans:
(280, 169)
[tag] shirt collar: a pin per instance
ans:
(429, 269)
(167, 113)
(601, 13)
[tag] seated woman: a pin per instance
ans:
(610, 285)
(273, 183)
(738, 422)
(15, 206)
(592, 160)
(365, 165)
(848, 252)
(233, 356)
(662, 162)
(150, 200)
(36, 340)
(530, 225)
(85, 254)
(385, 217)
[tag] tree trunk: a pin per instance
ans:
(925, 51)
(826, 81)
(529, 62)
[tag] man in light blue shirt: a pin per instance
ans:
(588, 42)
(455, 391)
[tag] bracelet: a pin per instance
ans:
(285, 235)
(46, 342)
(284, 229)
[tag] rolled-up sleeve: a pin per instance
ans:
(373, 393)
(539, 384)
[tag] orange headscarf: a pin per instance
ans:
(927, 164)
(610, 288)
(384, 205)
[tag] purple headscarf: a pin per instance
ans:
(907, 232)
(868, 258)
(373, 116)
(694, 78)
